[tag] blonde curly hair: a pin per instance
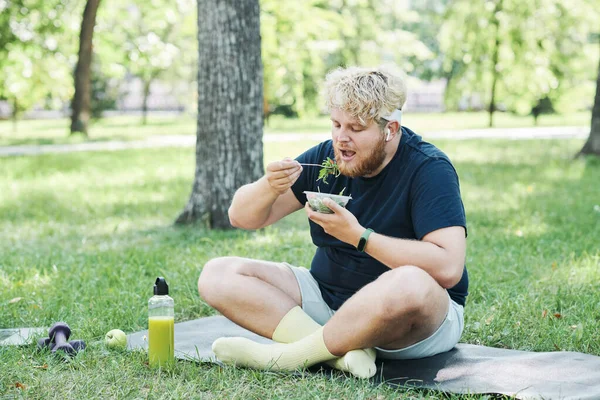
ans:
(368, 94)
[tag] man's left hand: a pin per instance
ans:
(342, 224)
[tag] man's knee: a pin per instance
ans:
(214, 275)
(404, 291)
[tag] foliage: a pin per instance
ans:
(547, 50)
(543, 50)
(295, 37)
(543, 106)
(104, 95)
(302, 41)
(34, 52)
(427, 19)
(156, 40)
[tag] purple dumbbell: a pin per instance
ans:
(59, 335)
(77, 345)
(43, 343)
(59, 338)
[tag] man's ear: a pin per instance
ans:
(394, 128)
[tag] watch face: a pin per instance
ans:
(361, 244)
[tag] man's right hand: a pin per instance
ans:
(281, 175)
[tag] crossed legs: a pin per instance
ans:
(253, 294)
(400, 308)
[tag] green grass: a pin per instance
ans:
(85, 234)
(40, 132)
(56, 131)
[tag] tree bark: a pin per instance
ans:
(592, 145)
(81, 103)
(229, 151)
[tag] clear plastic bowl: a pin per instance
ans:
(315, 201)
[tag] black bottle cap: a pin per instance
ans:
(160, 286)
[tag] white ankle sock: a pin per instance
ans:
(288, 357)
(297, 324)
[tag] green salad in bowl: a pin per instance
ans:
(315, 201)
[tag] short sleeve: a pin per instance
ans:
(435, 200)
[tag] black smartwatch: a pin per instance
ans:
(362, 242)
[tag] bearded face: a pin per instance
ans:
(360, 150)
(363, 161)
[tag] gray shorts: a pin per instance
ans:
(442, 340)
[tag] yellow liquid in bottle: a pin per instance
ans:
(161, 341)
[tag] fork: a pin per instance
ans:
(311, 165)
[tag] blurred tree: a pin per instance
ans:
(515, 53)
(103, 95)
(81, 109)
(359, 26)
(229, 150)
(303, 40)
(394, 41)
(592, 145)
(296, 36)
(34, 69)
(425, 20)
(562, 77)
(495, 24)
(543, 106)
(157, 41)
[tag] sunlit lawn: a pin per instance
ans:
(85, 234)
(130, 128)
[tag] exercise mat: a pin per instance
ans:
(465, 369)
(21, 336)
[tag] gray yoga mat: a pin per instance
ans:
(465, 369)
(21, 336)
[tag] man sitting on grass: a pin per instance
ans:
(388, 273)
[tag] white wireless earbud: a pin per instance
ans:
(387, 133)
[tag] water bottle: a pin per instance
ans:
(161, 326)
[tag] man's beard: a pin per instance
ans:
(363, 165)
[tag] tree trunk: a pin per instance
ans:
(147, 85)
(81, 104)
(592, 145)
(229, 150)
(15, 114)
(495, 73)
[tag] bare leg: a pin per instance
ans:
(257, 295)
(253, 294)
(402, 307)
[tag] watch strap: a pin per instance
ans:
(362, 242)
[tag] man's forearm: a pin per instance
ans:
(251, 204)
(442, 265)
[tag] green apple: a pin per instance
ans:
(116, 339)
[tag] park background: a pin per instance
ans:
(85, 230)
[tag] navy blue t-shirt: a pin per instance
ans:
(415, 194)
